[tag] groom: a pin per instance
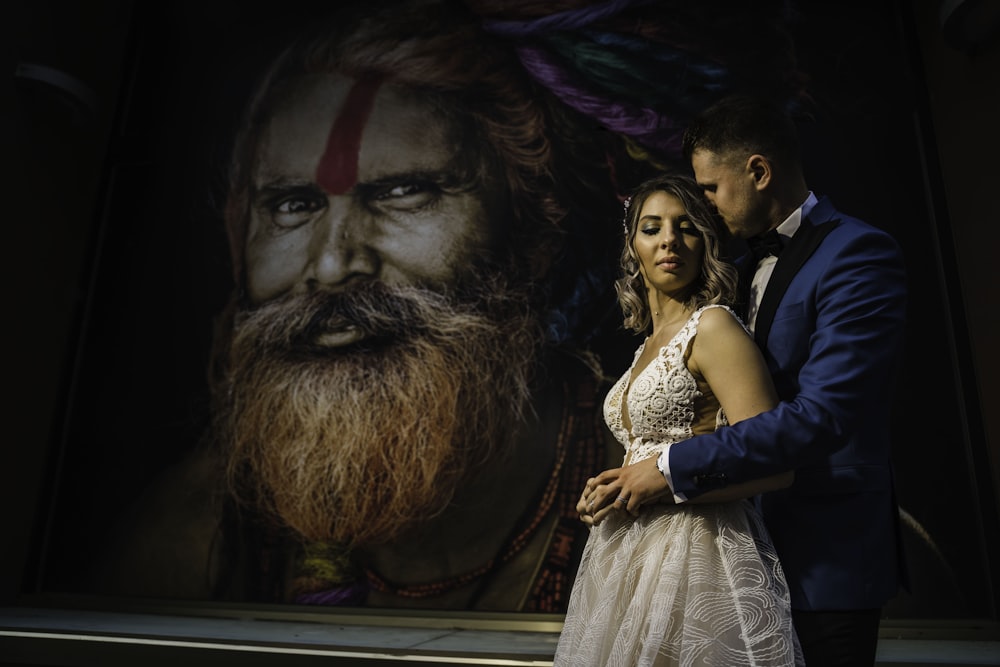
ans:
(824, 296)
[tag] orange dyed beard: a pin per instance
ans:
(358, 444)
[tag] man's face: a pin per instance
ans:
(731, 187)
(358, 182)
(363, 393)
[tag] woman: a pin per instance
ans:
(695, 583)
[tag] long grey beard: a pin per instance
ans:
(358, 444)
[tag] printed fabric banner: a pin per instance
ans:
(353, 317)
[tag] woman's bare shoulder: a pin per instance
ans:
(720, 320)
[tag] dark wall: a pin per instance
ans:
(964, 103)
(957, 50)
(56, 174)
(53, 145)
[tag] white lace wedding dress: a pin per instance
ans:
(688, 584)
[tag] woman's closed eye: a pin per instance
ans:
(687, 227)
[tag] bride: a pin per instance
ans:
(696, 583)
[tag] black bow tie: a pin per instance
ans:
(767, 244)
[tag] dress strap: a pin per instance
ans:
(677, 349)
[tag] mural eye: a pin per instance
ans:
(402, 191)
(293, 211)
(410, 195)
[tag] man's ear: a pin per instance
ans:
(759, 168)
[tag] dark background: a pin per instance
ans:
(143, 267)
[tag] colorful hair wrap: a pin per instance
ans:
(669, 80)
(570, 19)
(634, 84)
(647, 126)
(640, 69)
(648, 62)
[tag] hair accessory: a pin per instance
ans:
(626, 203)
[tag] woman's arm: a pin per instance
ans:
(730, 362)
(728, 359)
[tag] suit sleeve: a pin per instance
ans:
(852, 334)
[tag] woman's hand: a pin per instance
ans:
(593, 506)
(626, 488)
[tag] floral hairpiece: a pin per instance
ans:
(626, 203)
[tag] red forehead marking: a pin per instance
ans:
(338, 168)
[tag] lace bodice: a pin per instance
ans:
(662, 398)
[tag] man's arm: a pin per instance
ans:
(852, 353)
(728, 360)
(849, 370)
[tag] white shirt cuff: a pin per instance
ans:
(663, 463)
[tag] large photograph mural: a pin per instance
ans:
(352, 314)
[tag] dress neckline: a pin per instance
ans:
(642, 347)
(633, 376)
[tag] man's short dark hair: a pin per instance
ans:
(742, 125)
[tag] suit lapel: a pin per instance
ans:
(799, 249)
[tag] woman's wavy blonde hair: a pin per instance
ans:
(717, 280)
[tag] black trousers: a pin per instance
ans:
(838, 638)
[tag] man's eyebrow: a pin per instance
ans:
(280, 185)
(444, 178)
(392, 178)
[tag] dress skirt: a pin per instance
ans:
(682, 584)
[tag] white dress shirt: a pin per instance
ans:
(765, 267)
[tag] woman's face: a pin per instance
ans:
(669, 247)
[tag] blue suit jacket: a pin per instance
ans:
(831, 326)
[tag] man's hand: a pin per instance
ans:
(625, 488)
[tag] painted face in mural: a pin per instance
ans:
(356, 400)
(356, 182)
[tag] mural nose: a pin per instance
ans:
(340, 254)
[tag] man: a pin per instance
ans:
(400, 413)
(826, 304)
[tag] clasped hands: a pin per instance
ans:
(626, 488)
